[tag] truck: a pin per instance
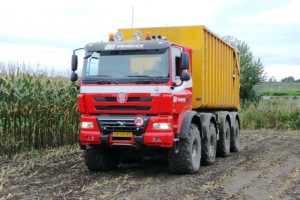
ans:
(171, 91)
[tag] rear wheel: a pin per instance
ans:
(209, 146)
(187, 160)
(101, 159)
(235, 138)
(223, 148)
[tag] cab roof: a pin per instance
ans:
(127, 45)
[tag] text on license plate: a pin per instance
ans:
(122, 134)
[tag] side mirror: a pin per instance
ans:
(185, 76)
(74, 77)
(185, 60)
(74, 62)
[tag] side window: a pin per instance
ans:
(93, 65)
(175, 58)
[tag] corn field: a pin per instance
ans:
(36, 112)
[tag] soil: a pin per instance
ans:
(267, 167)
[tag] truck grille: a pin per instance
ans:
(130, 99)
(123, 107)
(120, 123)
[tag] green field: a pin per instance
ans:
(277, 87)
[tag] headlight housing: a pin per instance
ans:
(87, 125)
(162, 126)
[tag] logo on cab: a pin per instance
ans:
(122, 97)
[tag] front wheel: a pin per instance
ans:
(101, 159)
(187, 160)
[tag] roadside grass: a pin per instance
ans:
(272, 115)
(280, 93)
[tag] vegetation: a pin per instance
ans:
(280, 93)
(272, 114)
(289, 79)
(276, 86)
(36, 111)
(252, 71)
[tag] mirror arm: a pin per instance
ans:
(175, 85)
(77, 50)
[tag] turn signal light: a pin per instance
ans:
(111, 37)
(148, 36)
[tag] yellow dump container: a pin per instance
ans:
(215, 64)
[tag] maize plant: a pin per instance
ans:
(36, 112)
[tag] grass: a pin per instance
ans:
(280, 93)
(272, 114)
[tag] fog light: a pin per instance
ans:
(89, 137)
(87, 125)
(161, 126)
(156, 139)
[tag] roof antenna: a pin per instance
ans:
(132, 15)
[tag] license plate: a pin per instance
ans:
(122, 134)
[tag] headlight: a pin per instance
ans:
(162, 126)
(87, 125)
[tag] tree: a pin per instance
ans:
(288, 79)
(272, 79)
(251, 70)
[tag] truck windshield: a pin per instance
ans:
(126, 64)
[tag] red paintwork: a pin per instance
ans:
(163, 109)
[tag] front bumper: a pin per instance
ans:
(148, 137)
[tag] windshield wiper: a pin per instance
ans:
(143, 81)
(104, 82)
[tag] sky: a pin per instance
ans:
(44, 33)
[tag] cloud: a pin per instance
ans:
(282, 71)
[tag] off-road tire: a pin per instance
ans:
(101, 159)
(235, 138)
(209, 146)
(223, 144)
(187, 160)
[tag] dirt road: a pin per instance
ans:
(267, 167)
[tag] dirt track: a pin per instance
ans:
(267, 167)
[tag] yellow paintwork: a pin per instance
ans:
(215, 64)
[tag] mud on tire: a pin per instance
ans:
(101, 159)
(235, 138)
(187, 160)
(209, 146)
(223, 144)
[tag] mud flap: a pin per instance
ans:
(186, 121)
